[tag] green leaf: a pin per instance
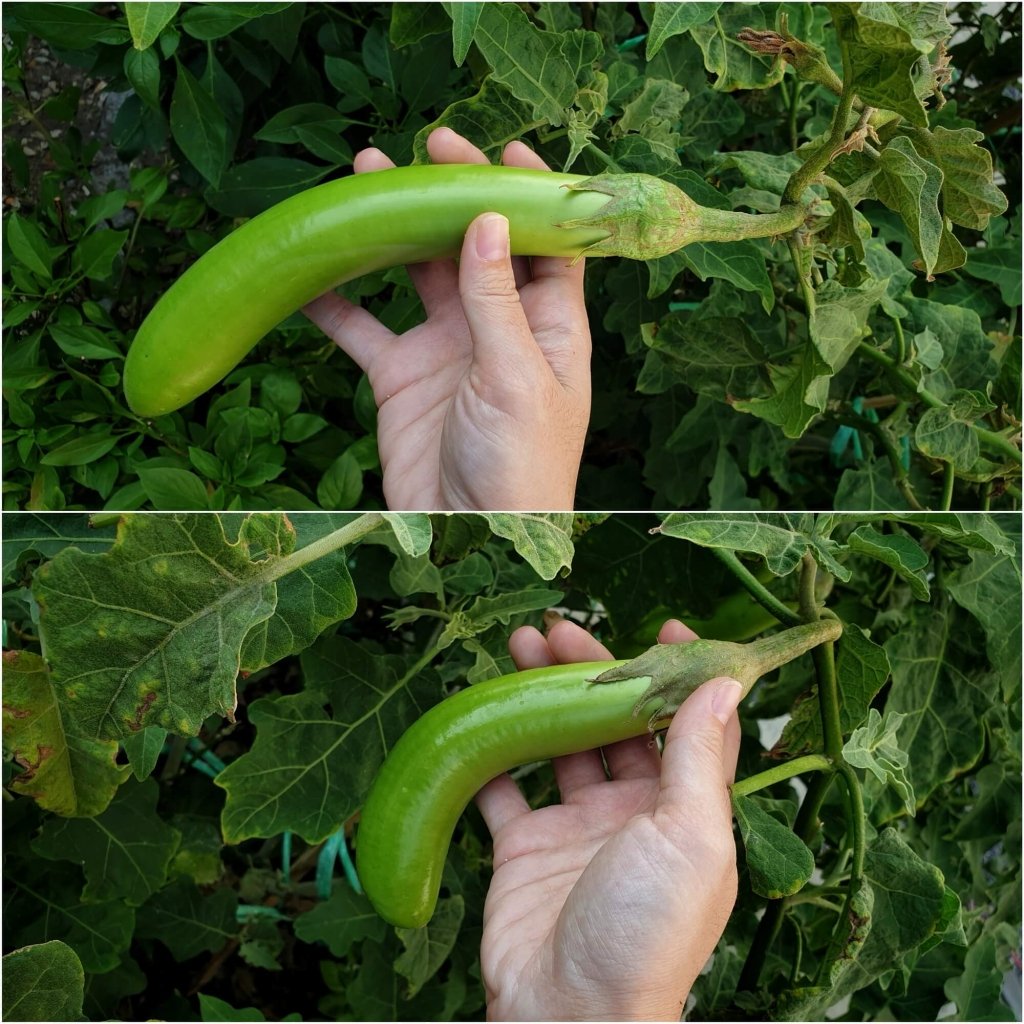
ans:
(465, 19)
(490, 119)
(45, 535)
(942, 702)
(945, 433)
(903, 555)
(216, 20)
(667, 20)
(308, 771)
(741, 263)
(345, 919)
(43, 982)
(909, 185)
(143, 749)
(256, 185)
(42, 903)
(527, 61)
(544, 539)
(284, 125)
(977, 992)
(427, 948)
(899, 908)
(838, 325)
(999, 264)
(781, 547)
(875, 748)
(412, 530)
(779, 862)
(69, 27)
(125, 851)
(870, 488)
(882, 56)
(142, 69)
(80, 451)
(28, 245)
(342, 484)
(64, 771)
(725, 56)
(213, 1009)
(969, 195)
(85, 342)
(309, 599)
(147, 20)
(173, 490)
(199, 126)
(150, 632)
(96, 253)
(800, 393)
(187, 920)
(984, 588)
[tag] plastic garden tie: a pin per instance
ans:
(630, 44)
(199, 765)
(286, 857)
(206, 754)
(346, 864)
(325, 866)
(844, 434)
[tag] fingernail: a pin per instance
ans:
(726, 699)
(492, 237)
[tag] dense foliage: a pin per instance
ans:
(178, 835)
(871, 360)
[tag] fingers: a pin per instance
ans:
(639, 758)
(359, 334)
(500, 801)
(675, 632)
(695, 765)
(505, 354)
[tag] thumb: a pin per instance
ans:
(694, 772)
(503, 345)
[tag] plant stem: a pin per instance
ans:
(820, 159)
(348, 534)
(808, 582)
(901, 342)
(756, 588)
(798, 766)
(794, 104)
(858, 833)
(824, 662)
(803, 279)
(730, 226)
(899, 471)
(603, 157)
(948, 476)
(994, 441)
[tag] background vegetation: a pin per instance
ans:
(873, 361)
(176, 860)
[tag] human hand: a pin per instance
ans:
(484, 405)
(607, 906)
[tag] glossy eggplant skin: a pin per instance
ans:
(448, 754)
(239, 290)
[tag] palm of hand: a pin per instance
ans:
(555, 868)
(446, 432)
(416, 395)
